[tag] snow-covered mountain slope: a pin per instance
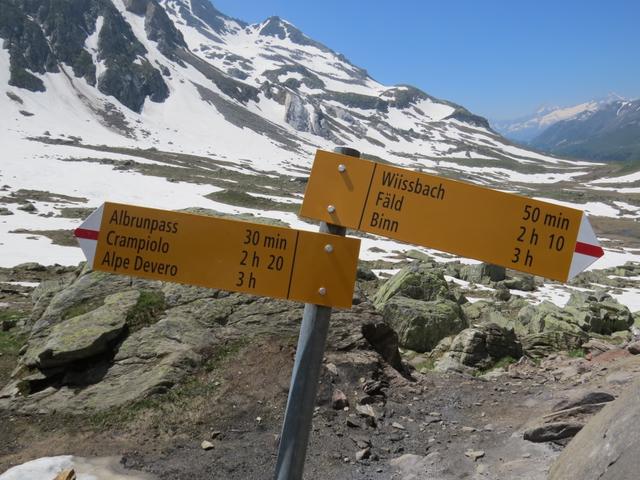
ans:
(525, 129)
(265, 92)
(609, 133)
(172, 104)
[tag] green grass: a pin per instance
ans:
(10, 315)
(243, 199)
(504, 362)
(428, 364)
(224, 352)
(11, 343)
(146, 311)
(576, 353)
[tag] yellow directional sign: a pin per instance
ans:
(464, 219)
(220, 253)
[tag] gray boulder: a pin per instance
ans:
(523, 282)
(503, 314)
(418, 281)
(608, 447)
(104, 341)
(84, 336)
(422, 324)
(550, 432)
(629, 269)
(543, 344)
(86, 293)
(483, 273)
(481, 346)
(46, 290)
(547, 328)
(601, 312)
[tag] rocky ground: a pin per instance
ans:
(418, 382)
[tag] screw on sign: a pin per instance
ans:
(514, 231)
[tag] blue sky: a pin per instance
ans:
(500, 59)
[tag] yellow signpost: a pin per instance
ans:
(502, 228)
(220, 253)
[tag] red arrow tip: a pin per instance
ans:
(86, 234)
(588, 249)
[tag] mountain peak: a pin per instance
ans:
(137, 63)
(279, 28)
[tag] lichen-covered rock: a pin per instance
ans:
(504, 314)
(481, 346)
(46, 290)
(607, 447)
(601, 311)
(538, 345)
(83, 336)
(418, 281)
(523, 282)
(421, 325)
(86, 293)
(89, 351)
(547, 328)
(482, 273)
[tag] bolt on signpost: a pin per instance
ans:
(306, 370)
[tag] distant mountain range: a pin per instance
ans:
(603, 130)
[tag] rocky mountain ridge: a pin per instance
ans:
(598, 130)
(119, 58)
(609, 133)
(527, 127)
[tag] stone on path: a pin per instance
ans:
(339, 400)
(206, 445)
(363, 454)
(552, 431)
(474, 454)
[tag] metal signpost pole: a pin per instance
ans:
(305, 376)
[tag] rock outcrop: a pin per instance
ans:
(608, 447)
(480, 347)
(421, 325)
(419, 305)
(42, 36)
(105, 340)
